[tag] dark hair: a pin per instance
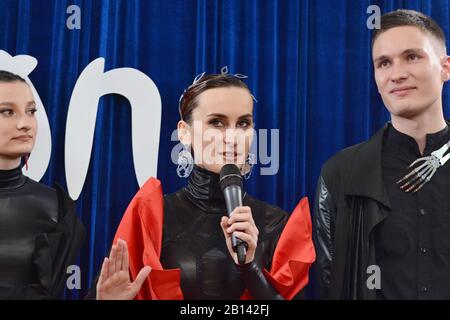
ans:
(6, 76)
(403, 17)
(188, 101)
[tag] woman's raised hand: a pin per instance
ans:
(114, 282)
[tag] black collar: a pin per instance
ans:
(366, 175)
(434, 141)
(11, 179)
(203, 190)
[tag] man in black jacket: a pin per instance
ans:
(377, 237)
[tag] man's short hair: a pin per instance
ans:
(403, 17)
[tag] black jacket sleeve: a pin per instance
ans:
(257, 283)
(270, 222)
(323, 225)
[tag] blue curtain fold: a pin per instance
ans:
(308, 62)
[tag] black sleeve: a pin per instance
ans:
(270, 222)
(256, 282)
(323, 230)
(64, 244)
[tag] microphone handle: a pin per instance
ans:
(233, 199)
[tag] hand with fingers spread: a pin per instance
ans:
(242, 224)
(114, 282)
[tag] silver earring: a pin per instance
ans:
(185, 163)
(247, 169)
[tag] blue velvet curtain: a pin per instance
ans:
(308, 62)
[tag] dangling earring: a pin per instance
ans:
(25, 159)
(185, 163)
(247, 168)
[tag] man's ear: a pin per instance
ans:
(445, 72)
(184, 134)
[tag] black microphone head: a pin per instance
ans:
(230, 175)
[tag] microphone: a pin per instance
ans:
(231, 185)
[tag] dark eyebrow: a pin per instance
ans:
(407, 51)
(12, 104)
(7, 104)
(248, 115)
(413, 50)
(218, 115)
(380, 58)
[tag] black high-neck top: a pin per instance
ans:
(194, 242)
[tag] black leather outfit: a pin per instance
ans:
(40, 235)
(194, 242)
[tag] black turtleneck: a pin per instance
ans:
(11, 179)
(413, 242)
(29, 229)
(194, 242)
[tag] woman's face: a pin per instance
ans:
(17, 123)
(221, 130)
